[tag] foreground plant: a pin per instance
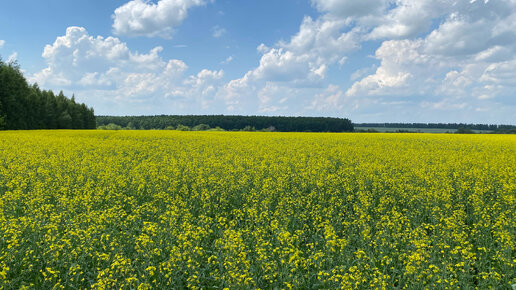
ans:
(131, 209)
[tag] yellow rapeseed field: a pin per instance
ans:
(167, 209)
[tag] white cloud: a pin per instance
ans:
(502, 73)
(485, 97)
(362, 72)
(281, 65)
(458, 36)
(301, 62)
(436, 56)
(408, 70)
(106, 71)
(393, 74)
(432, 57)
(323, 41)
(494, 54)
(344, 9)
(203, 87)
(2, 43)
(398, 19)
(144, 18)
(268, 98)
(218, 31)
(407, 18)
(385, 19)
(227, 60)
(329, 100)
(462, 61)
(12, 57)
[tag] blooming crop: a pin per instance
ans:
(168, 209)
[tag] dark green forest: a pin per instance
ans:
(453, 126)
(25, 107)
(230, 123)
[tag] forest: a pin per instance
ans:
(492, 127)
(25, 107)
(230, 123)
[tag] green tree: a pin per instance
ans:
(14, 92)
(28, 107)
(182, 128)
(464, 130)
(201, 127)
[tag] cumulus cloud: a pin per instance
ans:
(349, 8)
(462, 61)
(76, 54)
(433, 55)
(2, 43)
(268, 101)
(325, 41)
(392, 75)
(459, 37)
(144, 18)
(301, 62)
(430, 56)
(113, 74)
(332, 98)
(397, 19)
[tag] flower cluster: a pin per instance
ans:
(156, 209)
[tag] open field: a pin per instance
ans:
(111, 209)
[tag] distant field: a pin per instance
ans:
(420, 130)
(240, 210)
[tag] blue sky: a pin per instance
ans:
(370, 60)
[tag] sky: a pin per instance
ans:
(369, 60)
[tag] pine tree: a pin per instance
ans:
(27, 107)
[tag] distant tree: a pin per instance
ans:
(281, 124)
(464, 130)
(216, 129)
(14, 92)
(50, 108)
(249, 128)
(2, 121)
(182, 128)
(505, 131)
(110, 126)
(201, 127)
(130, 126)
(450, 126)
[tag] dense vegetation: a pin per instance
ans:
(452, 126)
(229, 123)
(24, 106)
(212, 210)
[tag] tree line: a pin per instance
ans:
(230, 122)
(454, 126)
(25, 107)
